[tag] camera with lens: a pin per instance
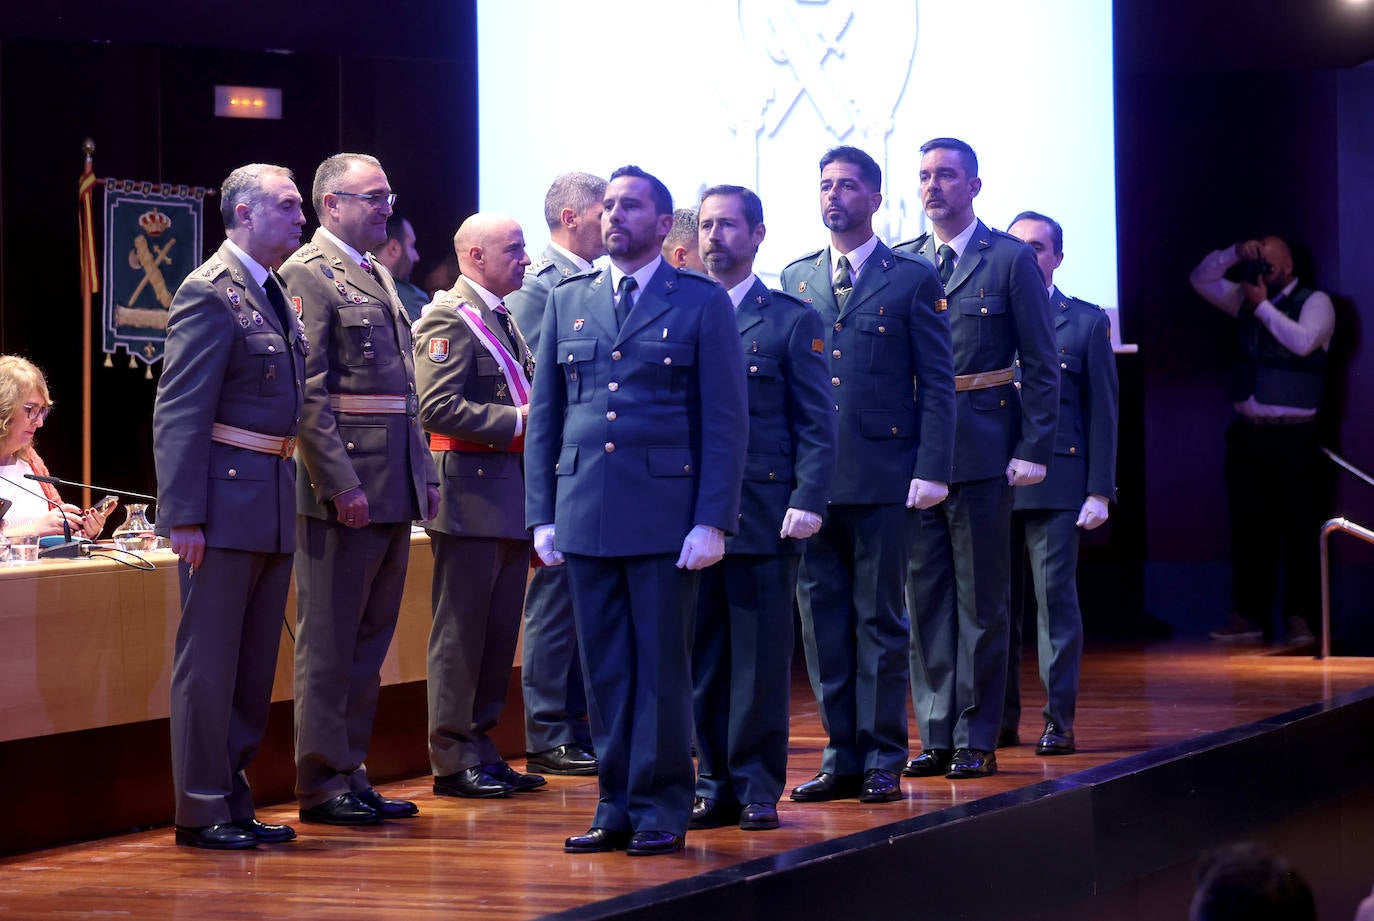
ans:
(1249, 271)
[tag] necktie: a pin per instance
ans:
(947, 257)
(504, 316)
(624, 298)
(844, 281)
(272, 285)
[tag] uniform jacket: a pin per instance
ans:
(792, 424)
(527, 304)
(464, 395)
(228, 360)
(889, 334)
(636, 435)
(997, 308)
(1085, 444)
(361, 345)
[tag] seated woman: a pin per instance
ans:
(24, 406)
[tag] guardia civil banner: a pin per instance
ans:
(152, 242)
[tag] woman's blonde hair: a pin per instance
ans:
(18, 377)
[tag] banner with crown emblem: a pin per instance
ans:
(152, 242)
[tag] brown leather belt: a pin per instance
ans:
(984, 379)
(446, 443)
(407, 404)
(281, 445)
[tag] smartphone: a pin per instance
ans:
(4, 507)
(105, 504)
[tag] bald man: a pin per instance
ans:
(1272, 464)
(473, 372)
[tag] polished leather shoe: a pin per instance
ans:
(1056, 741)
(712, 813)
(520, 783)
(596, 841)
(389, 808)
(223, 837)
(758, 817)
(971, 762)
(880, 786)
(932, 762)
(473, 783)
(653, 843)
(826, 786)
(1008, 738)
(569, 759)
(266, 834)
(344, 809)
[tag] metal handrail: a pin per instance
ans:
(1331, 526)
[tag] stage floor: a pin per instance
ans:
(464, 857)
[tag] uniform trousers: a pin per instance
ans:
(348, 595)
(222, 672)
(854, 633)
(742, 676)
(1050, 538)
(634, 621)
(478, 587)
(551, 670)
(957, 593)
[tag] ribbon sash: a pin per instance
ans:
(512, 370)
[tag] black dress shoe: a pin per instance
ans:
(474, 783)
(565, 759)
(266, 834)
(224, 837)
(653, 843)
(712, 813)
(1055, 741)
(520, 783)
(880, 786)
(597, 841)
(932, 762)
(1008, 738)
(344, 809)
(826, 786)
(758, 817)
(970, 762)
(389, 808)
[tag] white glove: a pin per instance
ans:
(926, 493)
(704, 546)
(1093, 513)
(799, 523)
(543, 545)
(1024, 473)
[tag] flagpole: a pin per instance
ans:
(89, 284)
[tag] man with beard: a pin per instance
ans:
(363, 474)
(742, 656)
(892, 385)
(958, 581)
(473, 371)
(634, 458)
(558, 738)
(399, 256)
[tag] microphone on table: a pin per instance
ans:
(68, 549)
(76, 548)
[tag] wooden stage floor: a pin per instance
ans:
(462, 858)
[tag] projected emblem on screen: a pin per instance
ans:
(822, 71)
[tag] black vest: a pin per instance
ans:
(1267, 370)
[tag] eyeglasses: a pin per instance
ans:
(37, 413)
(374, 199)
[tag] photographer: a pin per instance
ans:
(1283, 336)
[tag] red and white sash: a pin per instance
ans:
(513, 371)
